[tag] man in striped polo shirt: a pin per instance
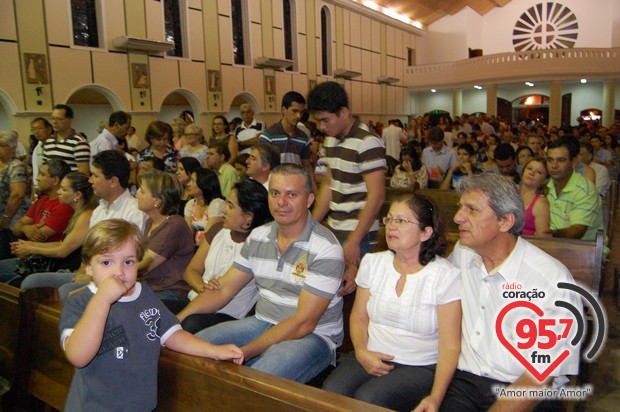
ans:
(297, 265)
(66, 144)
(353, 189)
(291, 141)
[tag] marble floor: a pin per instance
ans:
(606, 369)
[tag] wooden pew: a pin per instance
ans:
(9, 319)
(185, 382)
(447, 201)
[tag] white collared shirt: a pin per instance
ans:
(124, 207)
(482, 298)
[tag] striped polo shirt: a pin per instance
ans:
(349, 159)
(292, 148)
(73, 150)
(314, 262)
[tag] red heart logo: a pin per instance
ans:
(540, 376)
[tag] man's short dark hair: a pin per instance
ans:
(435, 134)
(68, 110)
(467, 147)
(504, 151)
(269, 154)
(569, 142)
(113, 163)
(157, 163)
(119, 117)
(221, 148)
(292, 97)
(587, 146)
(57, 168)
(327, 97)
(43, 120)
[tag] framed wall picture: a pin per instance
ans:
(215, 82)
(270, 85)
(36, 68)
(140, 75)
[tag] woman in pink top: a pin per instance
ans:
(534, 180)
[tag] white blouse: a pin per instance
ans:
(406, 326)
(221, 255)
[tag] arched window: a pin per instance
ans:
(326, 42)
(239, 17)
(85, 18)
(174, 20)
(290, 32)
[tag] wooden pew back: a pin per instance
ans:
(9, 320)
(185, 382)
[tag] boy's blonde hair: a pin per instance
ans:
(109, 236)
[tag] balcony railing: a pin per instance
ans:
(534, 65)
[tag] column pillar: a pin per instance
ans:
(555, 103)
(491, 100)
(609, 96)
(457, 102)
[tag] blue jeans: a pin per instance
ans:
(52, 279)
(7, 270)
(299, 360)
(401, 389)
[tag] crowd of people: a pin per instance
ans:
(253, 235)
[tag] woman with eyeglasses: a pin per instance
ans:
(405, 323)
(194, 148)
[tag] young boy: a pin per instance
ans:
(112, 331)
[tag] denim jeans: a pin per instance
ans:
(401, 389)
(299, 360)
(7, 270)
(52, 279)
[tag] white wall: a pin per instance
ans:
(449, 38)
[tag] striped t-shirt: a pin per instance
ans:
(314, 262)
(349, 159)
(73, 150)
(293, 149)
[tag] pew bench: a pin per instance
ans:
(9, 319)
(185, 383)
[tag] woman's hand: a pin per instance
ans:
(373, 362)
(406, 165)
(428, 404)
(213, 284)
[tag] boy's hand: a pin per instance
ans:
(111, 289)
(228, 352)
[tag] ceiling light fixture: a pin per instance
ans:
(390, 13)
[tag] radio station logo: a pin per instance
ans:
(541, 342)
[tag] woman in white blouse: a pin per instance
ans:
(246, 208)
(406, 320)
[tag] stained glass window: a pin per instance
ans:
(325, 42)
(238, 26)
(85, 25)
(174, 26)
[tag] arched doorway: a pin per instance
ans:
(92, 105)
(177, 102)
(533, 107)
(7, 110)
(238, 100)
(436, 116)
